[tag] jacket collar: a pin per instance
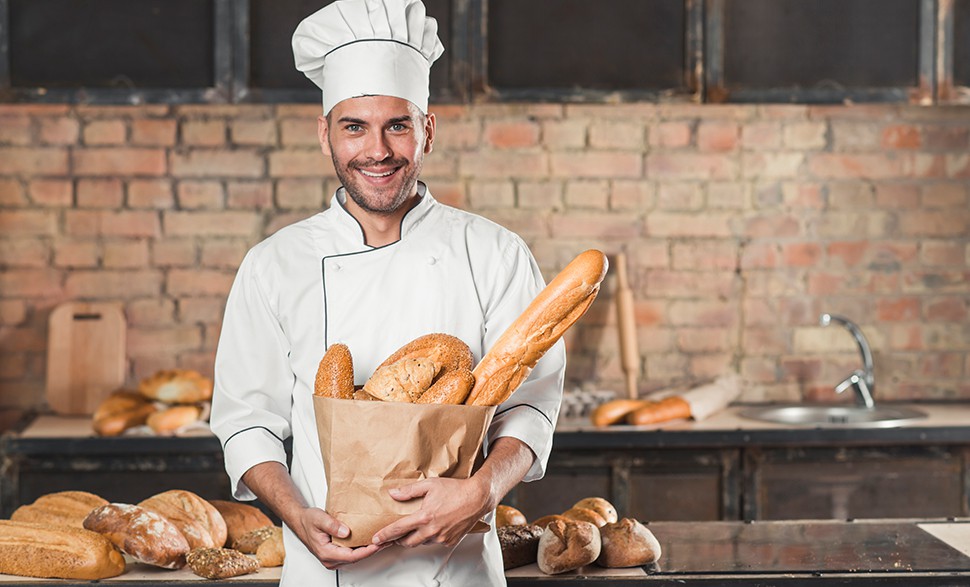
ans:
(411, 221)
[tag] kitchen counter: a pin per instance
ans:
(785, 553)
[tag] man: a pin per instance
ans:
(383, 265)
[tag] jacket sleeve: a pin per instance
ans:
(531, 412)
(253, 380)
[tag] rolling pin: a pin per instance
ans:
(629, 350)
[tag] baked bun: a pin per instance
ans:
(402, 381)
(335, 374)
(63, 508)
(250, 542)
(121, 410)
(220, 563)
(544, 521)
(141, 533)
(177, 386)
(600, 506)
(584, 515)
(560, 304)
(197, 519)
(271, 552)
(520, 544)
(451, 388)
(627, 543)
(240, 518)
(566, 546)
(37, 550)
(449, 352)
(506, 515)
(169, 420)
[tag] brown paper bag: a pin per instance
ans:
(369, 447)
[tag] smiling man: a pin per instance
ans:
(384, 264)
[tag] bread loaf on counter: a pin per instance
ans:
(240, 518)
(627, 543)
(177, 386)
(566, 546)
(143, 534)
(249, 542)
(37, 550)
(220, 563)
(121, 410)
(63, 508)
(520, 544)
(506, 515)
(271, 552)
(198, 520)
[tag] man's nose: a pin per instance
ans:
(377, 147)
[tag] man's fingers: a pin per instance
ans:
(324, 522)
(410, 491)
(395, 531)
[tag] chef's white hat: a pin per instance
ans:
(354, 48)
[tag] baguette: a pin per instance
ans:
(551, 313)
(36, 550)
(669, 408)
(615, 411)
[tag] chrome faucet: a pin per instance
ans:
(863, 381)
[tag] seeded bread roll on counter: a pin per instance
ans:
(240, 518)
(220, 563)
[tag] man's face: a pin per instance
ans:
(377, 144)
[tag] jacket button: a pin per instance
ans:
(435, 583)
(432, 260)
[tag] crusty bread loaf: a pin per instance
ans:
(566, 546)
(220, 563)
(240, 518)
(614, 411)
(402, 381)
(627, 543)
(121, 410)
(143, 534)
(506, 515)
(177, 386)
(63, 508)
(582, 514)
(450, 388)
(510, 360)
(335, 374)
(271, 552)
(447, 351)
(38, 550)
(171, 419)
(249, 542)
(599, 505)
(200, 522)
(520, 544)
(544, 521)
(670, 408)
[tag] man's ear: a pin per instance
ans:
(322, 133)
(429, 127)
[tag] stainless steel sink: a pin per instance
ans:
(879, 416)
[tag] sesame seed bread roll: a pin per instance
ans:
(510, 360)
(335, 374)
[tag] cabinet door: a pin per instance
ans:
(846, 483)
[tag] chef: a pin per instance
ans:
(383, 265)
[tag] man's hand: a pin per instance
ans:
(449, 510)
(316, 527)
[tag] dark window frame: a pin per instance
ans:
(947, 90)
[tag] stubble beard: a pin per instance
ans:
(377, 203)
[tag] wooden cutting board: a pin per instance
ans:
(86, 357)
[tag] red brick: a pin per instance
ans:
(105, 132)
(300, 194)
(302, 163)
(119, 161)
(59, 131)
(672, 135)
(874, 166)
(198, 282)
(491, 194)
(223, 253)
(664, 166)
(202, 309)
(511, 134)
(503, 165)
(897, 196)
(587, 224)
(74, 254)
(901, 136)
(943, 253)
(163, 341)
(440, 165)
(717, 136)
(758, 370)
(457, 135)
(632, 195)
(803, 195)
(556, 134)
(51, 193)
(111, 223)
(925, 165)
(766, 341)
(26, 339)
(11, 194)
(705, 313)
(122, 111)
(114, 284)
(259, 132)
(721, 111)
(935, 223)
(24, 109)
(587, 194)
(770, 225)
(855, 136)
(944, 195)
(700, 339)
(125, 254)
(27, 222)
(279, 220)
(174, 252)
(33, 161)
(214, 163)
(150, 193)
(524, 223)
(196, 195)
(958, 166)
(801, 254)
(849, 253)
(680, 196)
(227, 223)
(12, 312)
(771, 165)
(898, 309)
(759, 255)
(805, 136)
(945, 138)
(668, 366)
(676, 224)
(235, 111)
(100, 193)
(250, 194)
(947, 309)
(495, 110)
(662, 283)
(204, 133)
(15, 130)
(30, 283)
(153, 132)
(706, 254)
(150, 312)
(451, 194)
(540, 195)
(619, 134)
(23, 252)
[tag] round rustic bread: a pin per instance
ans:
(566, 546)
(196, 518)
(600, 506)
(506, 515)
(627, 543)
(177, 386)
(240, 518)
(584, 515)
(142, 533)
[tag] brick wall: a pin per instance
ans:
(740, 224)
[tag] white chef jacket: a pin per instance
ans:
(315, 283)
